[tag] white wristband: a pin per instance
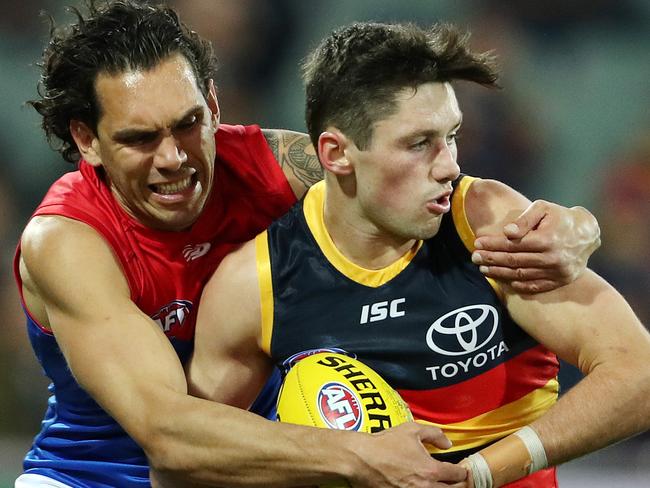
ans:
(535, 448)
(480, 471)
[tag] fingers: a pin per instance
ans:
(545, 247)
(537, 286)
(518, 274)
(528, 280)
(530, 243)
(512, 259)
(528, 220)
(434, 436)
(451, 473)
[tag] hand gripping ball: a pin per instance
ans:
(335, 391)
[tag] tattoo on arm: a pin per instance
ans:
(273, 140)
(300, 155)
(294, 150)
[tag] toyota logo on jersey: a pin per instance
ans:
(339, 407)
(464, 330)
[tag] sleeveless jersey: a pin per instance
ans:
(80, 444)
(430, 324)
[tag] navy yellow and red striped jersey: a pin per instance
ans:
(430, 324)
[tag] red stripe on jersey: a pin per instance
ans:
(505, 383)
(545, 478)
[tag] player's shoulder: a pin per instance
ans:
(238, 268)
(52, 231)
(230, 137)
(53, 240)
(490, 203)
(58, 253)
(286, 142)
(231, 296)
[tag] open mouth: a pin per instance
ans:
(175, 187)
(443, 200)
(440, 205)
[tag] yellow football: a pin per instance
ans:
(335, 391)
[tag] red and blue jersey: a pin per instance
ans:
(79, 443)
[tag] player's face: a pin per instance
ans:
(155, 140)
(404, 177)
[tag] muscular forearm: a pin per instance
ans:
(224, 446)
(610, 404)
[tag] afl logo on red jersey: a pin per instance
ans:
(172, 316)
(339, 407)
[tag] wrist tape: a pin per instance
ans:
(480, 471)
(535, 448)
(531, 461)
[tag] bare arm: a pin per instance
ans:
(544, 247)
(228, 365)
(124, 361)
(588, 324)
(297, 157)
(592, 327)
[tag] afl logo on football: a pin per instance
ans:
(339, 407)
(464, 330)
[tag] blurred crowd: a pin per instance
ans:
(571, 123)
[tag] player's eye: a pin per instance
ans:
(420, 145)
(138, 138)
(188, 123)
(453, 137)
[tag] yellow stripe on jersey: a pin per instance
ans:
(503, 421)
(462, 224)
(266, 288)
(313, 208)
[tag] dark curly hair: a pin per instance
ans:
(352, 77)
(114, 37)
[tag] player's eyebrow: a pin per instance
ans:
(130, 133)
(432, 132)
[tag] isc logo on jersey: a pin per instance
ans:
(379, 311)
(339, 407)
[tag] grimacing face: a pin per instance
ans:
(403, 178)
(155, 141)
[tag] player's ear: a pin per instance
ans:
(86, 141)
(213, 104)
(332, 145)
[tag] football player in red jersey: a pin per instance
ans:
(376, 260)
(111, 266)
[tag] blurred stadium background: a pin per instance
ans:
(571, 124)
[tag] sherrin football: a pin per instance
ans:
(334, 391)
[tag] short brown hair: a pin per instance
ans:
(352, 77)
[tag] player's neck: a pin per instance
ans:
(360, 241)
